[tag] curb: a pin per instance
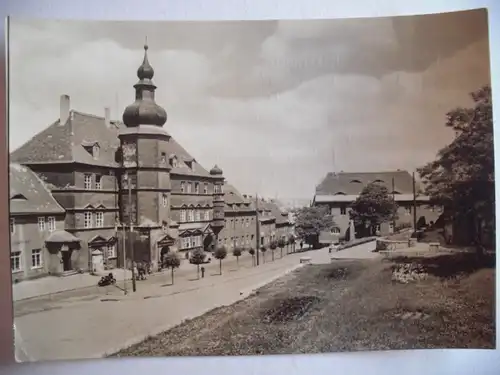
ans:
(158, 330)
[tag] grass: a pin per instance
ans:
(345, 306)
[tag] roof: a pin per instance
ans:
(67, 142)
(174, 148)
(29, 194)
(235, 201)
(341, 198)
(62, 236)
(280, 214)
(352, 183)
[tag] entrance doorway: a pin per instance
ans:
(66, 260)
(163, 253)
(208, 243)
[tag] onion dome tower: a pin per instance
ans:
(144, 111)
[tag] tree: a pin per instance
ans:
(263, 250)
(273, 245)
(311, 221)
(281, 245)
(237, 253)
(172, 261)
(461, 179)
(197, 258)
(220, 253)
(251, 251)
(373, 207)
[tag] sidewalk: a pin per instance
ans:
(95, 328)
(52, 284)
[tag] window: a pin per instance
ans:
(36, 258)
(98, 183)
(174, 162)
(95, 151)
(207, 215)
(262, 241)
(12, 225)
(217, 189)
(335, 230)
(164, 200)
(87, 222)
(205, 188)
(183, 187)
(188, 190)
(164, 225)
(183, 216)
(163, 158)
(192, 242)
(99, 219)
(51, 223)
(41, 224)
(248, 222)
(343, 210)
(87, 182)
(111, 251)
(15, 261)
(197, 188)
(198, 215)
(185, 243)
(408, 210)
(191, 215)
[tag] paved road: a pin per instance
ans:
(89, 325)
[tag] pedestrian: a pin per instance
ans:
(301, 245)
(202, 272)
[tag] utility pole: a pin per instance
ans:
(394, 207)
(257, 229)
(130, 244)
(414, 203)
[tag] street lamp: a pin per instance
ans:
(127, 179)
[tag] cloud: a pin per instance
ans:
(276, 104)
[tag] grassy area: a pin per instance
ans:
(348, 305)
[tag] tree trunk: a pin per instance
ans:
(238, 261)
(281, 249)
(172, 275)
(220, 266)
(198, 266)
(272, 255)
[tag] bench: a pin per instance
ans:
(305, 260)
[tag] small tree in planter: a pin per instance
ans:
(237, 253)
(197, 258)
(251, 251)
(220, 253)
(263, 250)
(273, 245)
(281, 245)
(172, 261)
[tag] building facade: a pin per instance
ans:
(338, 191)
(111, 176)
(39, 245)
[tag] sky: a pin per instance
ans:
(276, 104)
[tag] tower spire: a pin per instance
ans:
(144, 111)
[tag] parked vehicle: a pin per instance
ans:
(107, 280)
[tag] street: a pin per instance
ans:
(90, 323)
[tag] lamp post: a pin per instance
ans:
(131, 228)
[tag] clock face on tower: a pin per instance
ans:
(129, 151)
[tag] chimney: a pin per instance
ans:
(64, 110)
(107, 117)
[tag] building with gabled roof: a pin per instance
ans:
(337, 191)
(108, 175)
(36, 219)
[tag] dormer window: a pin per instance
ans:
(163, 159)
(95, 151)
(189, 163)
(378, 181)
(355, 181)
(173, 161)
(18, 197)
